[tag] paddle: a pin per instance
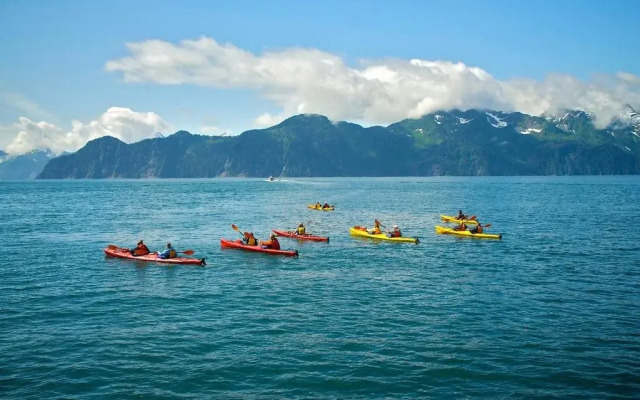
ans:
(235, 228)
(473, 218)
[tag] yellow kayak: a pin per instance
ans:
(449, 218)
(314, 207)
(449, 231)
(363, 232)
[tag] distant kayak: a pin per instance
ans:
(363, 232)
(449, 231)
(237, 244)
(292, 234)
(314, 207)
(152, 257)
(448, 218)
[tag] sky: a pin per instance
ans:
(73, 71)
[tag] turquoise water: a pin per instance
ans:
(552, 310)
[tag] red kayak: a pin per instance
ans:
(237, 244)
(152, 257)
(292, 234)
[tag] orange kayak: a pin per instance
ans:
(292, 234)
(152, 257)
(237, 244)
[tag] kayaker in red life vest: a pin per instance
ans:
(249, 239)
(140, 250)
(477, 228)
(272, 243)
(376, 228)
(169, 252)
(395, 232)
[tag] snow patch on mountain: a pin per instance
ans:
(463, 120)
(438, 119)
(498, 123)
(529, 131)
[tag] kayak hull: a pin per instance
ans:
(363, 232)
(152, 257)
(237, 244)
(292, 235)
(448, 218)
(313, 207)
(448, 231)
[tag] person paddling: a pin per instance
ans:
(272, 243)
(140, 250)
(169, 252)
(376, 228)
(477, 228)
(325, 206)
(461, 227)
(301, 230)
(249, 239)
(461, 215)
(395, 232)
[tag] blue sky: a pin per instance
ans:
(65, 61)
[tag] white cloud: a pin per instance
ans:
(122, 123)
(377, 91)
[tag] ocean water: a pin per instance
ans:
(550, 311)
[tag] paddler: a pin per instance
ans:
(325, 206)
(461, 215)
(169, 252)
(395, 232)
(301, 230)
(376, 228)
(477, 228)
(272, 243)
(140, 250)
(249, 239)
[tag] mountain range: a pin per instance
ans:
(25, 166)
(457, 142)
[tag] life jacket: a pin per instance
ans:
(172, 253)
(376, 230)
(141, 250)
(479, 229)
(275, 244)
(301, 230)
(395, 233)
(251, 240)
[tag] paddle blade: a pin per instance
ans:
(473, 218)
(188, 252)
(235, 228)
(112, 247)
(486, 225)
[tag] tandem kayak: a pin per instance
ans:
(363, 232)
(314, 207)
(449, 231)
(152, 257)
(292, 234)
(237, 244)
(448, 218)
